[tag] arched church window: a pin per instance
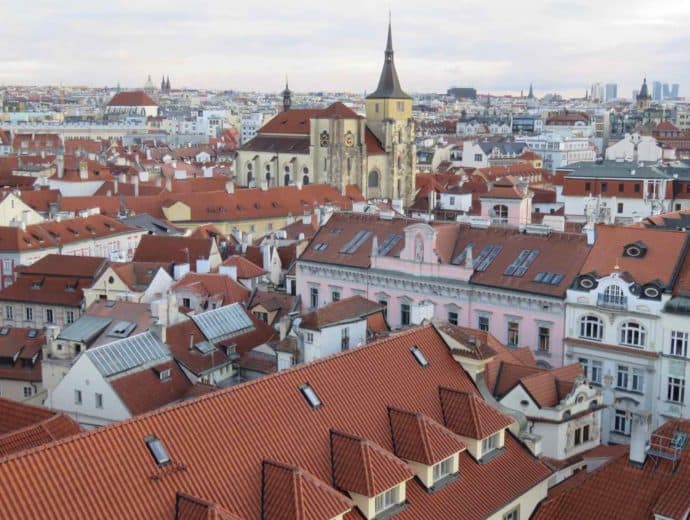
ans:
(305, 180)
(373, 179)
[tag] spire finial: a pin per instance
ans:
(389, 44)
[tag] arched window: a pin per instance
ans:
(373, 179)
(633, 334)
(305, 180)
(418, 249)
(501, 213)
(591, 327)
(613, 295)
(287, 179)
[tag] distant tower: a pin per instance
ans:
(644, 100)
(148, 86)
(287, 97)
(530, 95)
(163, 84)
(167, 85)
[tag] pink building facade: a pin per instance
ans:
(421, 281)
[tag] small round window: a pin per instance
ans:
(111, 280)
(524, 402)
(651, 292)
(633, 251)
(587, 283)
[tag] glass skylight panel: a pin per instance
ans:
(158, 451)
(360, 237)
(204, 347)
(463, 255)
(419, 356)
(310, 395)
(522, 262)
(389, 243)
(487, 255)
(4, 331)
(548, 278)
(223, 322)
(125, 354)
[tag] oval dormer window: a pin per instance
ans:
(651, 292)
(633, 251)
(586, 283)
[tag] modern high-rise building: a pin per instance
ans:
(611, 91)
(597, 92)
(666, 91)
(656, 91)
(674, 90)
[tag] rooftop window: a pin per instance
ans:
(419, 356)
(157, 449)
(310, 395)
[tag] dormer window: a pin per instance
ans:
(387, 500)
(419, 356)
(491, 443)
(635, 250)
(164, 375)
(444, 468)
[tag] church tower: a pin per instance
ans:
(287, 97)
(389, 117)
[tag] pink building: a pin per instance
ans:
(499, 279)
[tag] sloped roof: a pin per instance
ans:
(137, 98)
(66, 479)
(246, 269)
(470, 416)
(56, 426)
(343, 311)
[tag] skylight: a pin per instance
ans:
(486, 256)
(419, 356)
(548, 278)
(158, 451)
(310, 395)
(32, 333)
(204, 347)
(321, 246)
(520, 265)
(4, 331)
(463, 255)
(389, 243)
(360, 237)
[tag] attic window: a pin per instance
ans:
(635, 250)
(651, 292)
(310, 395)
(321, 246)
(419, 356)
(158, 451)
(164, 375)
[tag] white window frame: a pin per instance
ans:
(386, 500)
(632, 334)
(621, 423)
(98, 398)
(443, 469)
(490, 443)
(675, 390)
(591, 327)
(77, 397)
(309, 337)
(679, 343)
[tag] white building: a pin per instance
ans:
(558, 150)
(635, 147)
(250, 125)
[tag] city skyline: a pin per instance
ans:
(322, 49)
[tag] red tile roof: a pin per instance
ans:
(664, 253)
(213, 286)
(297, 121)
(344, 311)
(363, 467)
(467, 414)
(178, 249)
(621, 490)
(88, 267)
(137, 98)
(55, 427)
(421, 439)
(246, 269)
(67, 479)
(188, 507)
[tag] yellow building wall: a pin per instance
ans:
(379, 109)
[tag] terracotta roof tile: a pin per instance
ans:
(137, 98)
(343, 311)
(468, 415)
(189, 507)
(246, 269)
(56, 427)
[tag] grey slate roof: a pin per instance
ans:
(125, 354)
(507, 148)
(389, 84)
(85, 329)
(624, 170)
(223, 322)
(152, 224)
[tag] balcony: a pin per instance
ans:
(612, 302)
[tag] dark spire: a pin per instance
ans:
(644, 91)
(287, 96)
(163, 84)
(167, 84)
(389, 84)
(530, 95)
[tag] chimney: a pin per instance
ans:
(640, 434)
(168, 183)
(228, 270)
(591, 233)
(116, 187)
(299, 185)
(60, 166)
(135, 181)
(306, 219)
(191, 341)
(264, 186)
(284, 326)
(83, 170)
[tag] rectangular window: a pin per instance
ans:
(49, 315)
(578, 437)
(99, 400)
(544, 339)
(620, 207)
(637, 380)
(513, 333)
(621, 423)
(623, 375)
(453, 317)
(309, 337)
(490, 444)
(604, 187)
(679, 343)
(585, 433)
(401, 106)
(596, 372)
(186, 302)
(588, 186)
(478, 157)
(77, 397)
(621, 187)
(483, 323)
(345, 338)
(404, 314)
(637, 188)
(70, 316)
(452, 201)
(335, 296)
(385, 307)
(9, 312)
(512, 515)
(314, 297)
(443, 469)
(386, 500)
(676, 390)
(7, 266)
(29, 313)
(28, 391)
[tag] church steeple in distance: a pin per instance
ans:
(389, 84)
(287, 97)
(530, 95)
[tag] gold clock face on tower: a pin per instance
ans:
(324, 138)
(349, 140)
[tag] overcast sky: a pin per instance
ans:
(492, 45)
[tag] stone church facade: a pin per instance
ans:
(337, 146)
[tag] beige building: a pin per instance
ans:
(337, 146)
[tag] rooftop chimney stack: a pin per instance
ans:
(640, 434)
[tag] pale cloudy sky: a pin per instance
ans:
(493, 45)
